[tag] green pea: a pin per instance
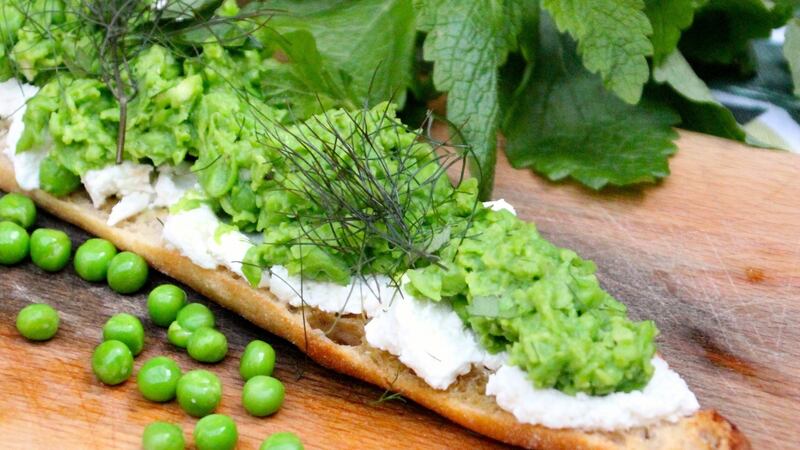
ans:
(199, 392)
(207, 345)
(127, 273)
(19, 209)
(93, 258)
(164, 303)
(284, 440)
(258, 359)
(262, 395)
(14, 243)
(50, 249)
(215, 432)
(177, 335)
(194, 316)
(56, 179)
(126, 329)
(162, 436)
(158, 379)
(37, 322)
(112, 362)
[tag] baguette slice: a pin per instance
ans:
(343, 348)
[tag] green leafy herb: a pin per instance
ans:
(371, 41)
(564, 123)
(723, 29)
(463, 44)
(791, 50)
(668, 18)
(612, 38)
(691, 97)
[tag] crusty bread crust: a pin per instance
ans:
(338, 344)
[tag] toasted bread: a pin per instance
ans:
(340, 345)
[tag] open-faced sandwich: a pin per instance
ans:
(339, 229)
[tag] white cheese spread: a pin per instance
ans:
(172, 184)
(430, 338)
(129, 181)
(500, 205)
(13, 98)
(666, 397)
(369, 295)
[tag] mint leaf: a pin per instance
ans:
(668, 18)
(699, 110)
(372, 41)
(791, 50)
(566, 124)
(467, 41)
(612, 39)
(722, 29)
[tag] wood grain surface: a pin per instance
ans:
(712, 254)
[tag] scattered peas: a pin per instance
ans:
(162, 436)
(112, 362)
(127, 329)
(56, 179)
(50, 249)
(284, 440)
(158, 379)
(177, 335)
(93, 258)
(194, 316)
(14, 243)
(215, 432)
(262, 395)
(37, 322)
(199, 392)
(258, 359)
(127, 273)
(207, 345)
(19, 209)
(164, 302)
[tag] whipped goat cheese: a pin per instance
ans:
(666, 397)
(13, 103)
(368, 295)
(429, 338)
(131, 183)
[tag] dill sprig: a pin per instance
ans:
(370, 197)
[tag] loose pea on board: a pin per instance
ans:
(158, 379)
(207, 345)
(19, 209)
(162, 436)
(14, 243)
(164, 303)
(177, 335)
(215, 432)
(199, 392)
(37, 322)
(262, 395)
(194, 316)
(127, 273)
(50, 249)
(112, 362)
(127, 329)
(284, 440)
(93, 258)
(258, 359)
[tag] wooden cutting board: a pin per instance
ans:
(712, 254)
